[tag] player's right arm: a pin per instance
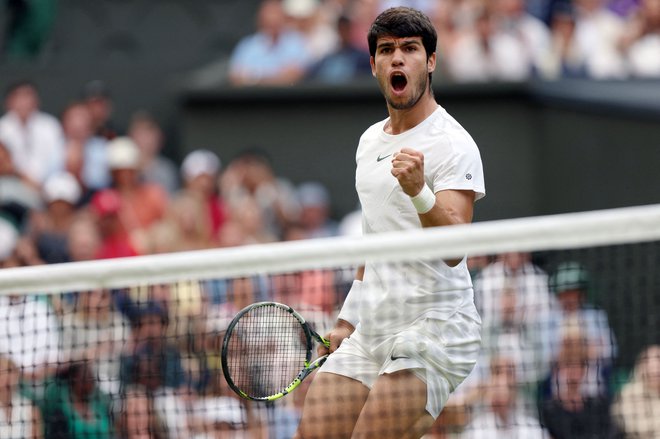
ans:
(343, 327)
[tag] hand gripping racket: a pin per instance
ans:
(267, 351)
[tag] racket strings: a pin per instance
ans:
(266, 351)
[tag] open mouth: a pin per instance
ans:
(398, 81)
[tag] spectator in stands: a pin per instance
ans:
(346, 63)
(33, 137)
(97, 98)
(530, 34)
(29, 332)
(150, 360)
(105, 208)
(305, 16)
(197, 213)
(482, 54)
(564, 57)
(92, 330)
(362, 14)
(17, 195)
(74, 407)
(637, 408)
(137, 417)
(274, 55)
(571, 283)
(518, 312)
(314, 200)
(446, 25)
(251, 188)
(149, 347)
(598, 32)
(641, 42)
(19, 417)
(503, 417)
(154, 167)
(218, 413)
(86, 156)
(142, 204)
(49, 228)
(568, 410)
(83, 239)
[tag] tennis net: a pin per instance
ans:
(569, 339)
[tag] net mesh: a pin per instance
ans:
(569, 337)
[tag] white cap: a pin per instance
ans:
(300, 8)
(62, 187)
(8, 239)
(199, 162)
(123, 153)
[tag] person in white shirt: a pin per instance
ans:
(34, 138)
(598, 33)
(408, 333)
(503, 418)
(29, 335)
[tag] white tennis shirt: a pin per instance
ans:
(396, 294)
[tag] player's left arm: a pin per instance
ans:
(449, 206)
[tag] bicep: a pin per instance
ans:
(460, 202)
(451, 207)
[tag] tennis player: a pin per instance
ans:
(408, 333)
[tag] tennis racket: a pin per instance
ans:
(267, 351)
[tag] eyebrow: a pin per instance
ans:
(402, 44)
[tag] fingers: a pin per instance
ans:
(408, 169)
(407, 158)
(322, 350)
(336, 337)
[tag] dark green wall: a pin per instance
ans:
(544, 150)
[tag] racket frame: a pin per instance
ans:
(308, 367)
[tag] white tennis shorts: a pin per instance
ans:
(441, 353)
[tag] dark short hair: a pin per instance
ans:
(401, 22)
(11, 88)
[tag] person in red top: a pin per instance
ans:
(200, 171)
(142, 204)
(105, 206)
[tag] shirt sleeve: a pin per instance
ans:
(463, 170)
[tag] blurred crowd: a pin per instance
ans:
(143, 362)
(135, 362)
(478, 40)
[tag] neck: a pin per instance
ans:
(403, 120)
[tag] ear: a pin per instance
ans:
(430, 63)
(372, 61)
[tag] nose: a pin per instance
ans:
(397, 57)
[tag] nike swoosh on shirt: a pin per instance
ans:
(382, 158)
